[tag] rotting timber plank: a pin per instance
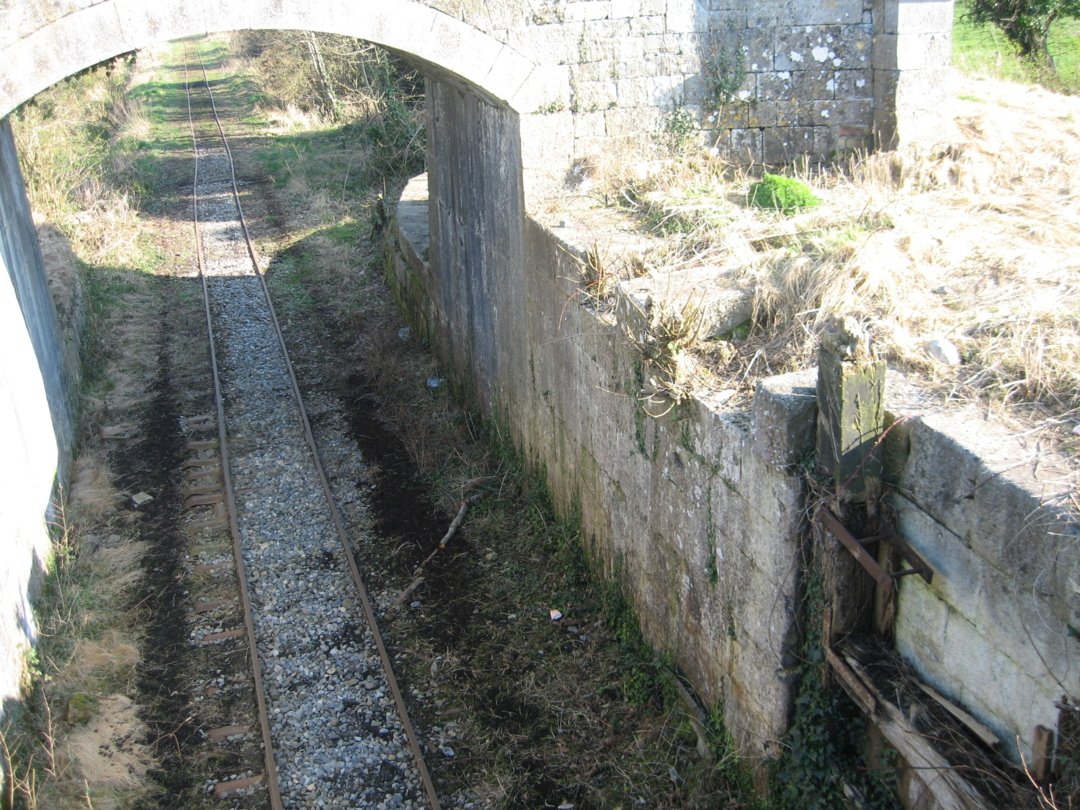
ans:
(947, 787)
(851, 412)
(850, 422)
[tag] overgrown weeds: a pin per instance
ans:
(76, 145)
(972, 240)
(320, 81)
(665, 346)
(822, 764)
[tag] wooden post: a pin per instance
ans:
(851, 412)
(1042, 748)
(851, 419)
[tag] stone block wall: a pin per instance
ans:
(768, 80)
(698, 514)
(912, 62)
(998, 629)
(36, 416)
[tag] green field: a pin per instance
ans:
(984, 51)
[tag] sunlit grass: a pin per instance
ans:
(982, 50)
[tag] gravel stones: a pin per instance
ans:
(337, 734)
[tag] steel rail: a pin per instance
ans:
(272, 784)
(335, 512)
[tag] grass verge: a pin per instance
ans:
(971, 240)
(79, 740)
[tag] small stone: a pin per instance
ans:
(141, 498)
(944, 351)
(82, 707)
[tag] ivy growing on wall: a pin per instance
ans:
(822, 766)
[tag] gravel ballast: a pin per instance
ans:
(338, 737)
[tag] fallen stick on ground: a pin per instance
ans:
(403, 597)
(454, 524)
(697, 717)
(418, 577)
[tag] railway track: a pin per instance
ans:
(321, 722)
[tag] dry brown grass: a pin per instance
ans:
(975, 239)
(93, 495)
(106, 753)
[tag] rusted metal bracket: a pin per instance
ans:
(857, 547)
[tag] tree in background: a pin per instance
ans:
(1025, 23)
(347, 82)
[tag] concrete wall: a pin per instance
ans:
(36, 415)
(696, 513)
(999, 627)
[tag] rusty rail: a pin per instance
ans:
(335, 513)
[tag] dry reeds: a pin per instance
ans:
(973, 240)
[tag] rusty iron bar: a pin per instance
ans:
(917, 563)
(857, 547)
(852, 544)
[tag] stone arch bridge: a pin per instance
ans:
(771, 79)
(517, 90)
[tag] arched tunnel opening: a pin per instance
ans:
(541, 399)
(491, 675)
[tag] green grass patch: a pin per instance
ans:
(784, 194)
(288, 277)
(982, 50)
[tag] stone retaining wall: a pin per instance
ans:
(698, 513)
(697, 517)
(37, 392)
(769, 80)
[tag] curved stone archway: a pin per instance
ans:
(446, 47)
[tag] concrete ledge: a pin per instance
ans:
(785, 417)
